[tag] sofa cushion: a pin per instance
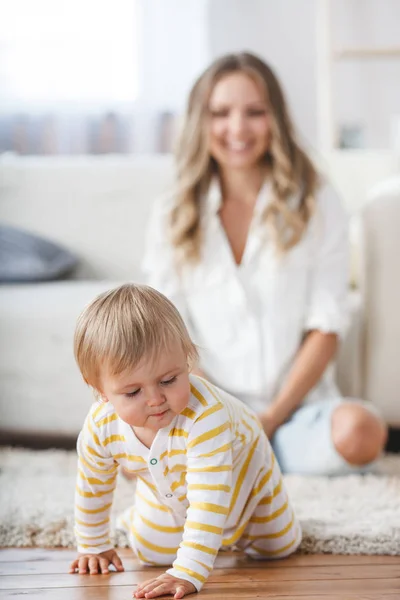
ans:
(41, 389)
(26, 257)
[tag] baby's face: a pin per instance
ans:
(150, 395)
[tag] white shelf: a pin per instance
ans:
(367, 53)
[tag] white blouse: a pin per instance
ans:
(249, 319)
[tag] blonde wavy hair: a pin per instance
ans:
(289, 168)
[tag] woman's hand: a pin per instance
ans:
(269, 421)
(163, 585)
(96, 563)
(313, 357)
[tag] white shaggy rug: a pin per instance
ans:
(344, 515)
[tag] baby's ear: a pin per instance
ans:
(100, 397)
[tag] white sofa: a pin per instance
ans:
(379, 224)
(98, 207)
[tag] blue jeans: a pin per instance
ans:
(304, 443)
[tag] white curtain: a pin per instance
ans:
(85, 76)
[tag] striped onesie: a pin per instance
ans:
(209, 481)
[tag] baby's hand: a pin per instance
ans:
(163, 585)
(96, 563)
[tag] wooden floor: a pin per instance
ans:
(43, 574)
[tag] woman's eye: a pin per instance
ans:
(132, 394)
(169, 381)
(256, 113)
(217, 115)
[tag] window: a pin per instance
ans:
(97, 76)
(68, 75)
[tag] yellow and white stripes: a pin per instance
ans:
(209, 480)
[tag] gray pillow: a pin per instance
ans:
(25, 257)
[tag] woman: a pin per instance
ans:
(253, 250)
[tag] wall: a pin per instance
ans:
(180, 38)
(284, 34)
(173, 50)
(291, 35)
(366, 91)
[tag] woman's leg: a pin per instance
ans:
(332, 437)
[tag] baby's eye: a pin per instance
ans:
(132, 394)
(168, 381)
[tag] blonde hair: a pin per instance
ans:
(123, 326)
(290, 169)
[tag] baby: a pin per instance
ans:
(206, 475)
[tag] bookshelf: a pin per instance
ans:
(369, 66)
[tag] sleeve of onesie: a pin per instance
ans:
(209, 493)
(96, 479)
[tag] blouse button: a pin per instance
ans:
(153, 461)
(168, 495)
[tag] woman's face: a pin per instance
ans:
(239, 122)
